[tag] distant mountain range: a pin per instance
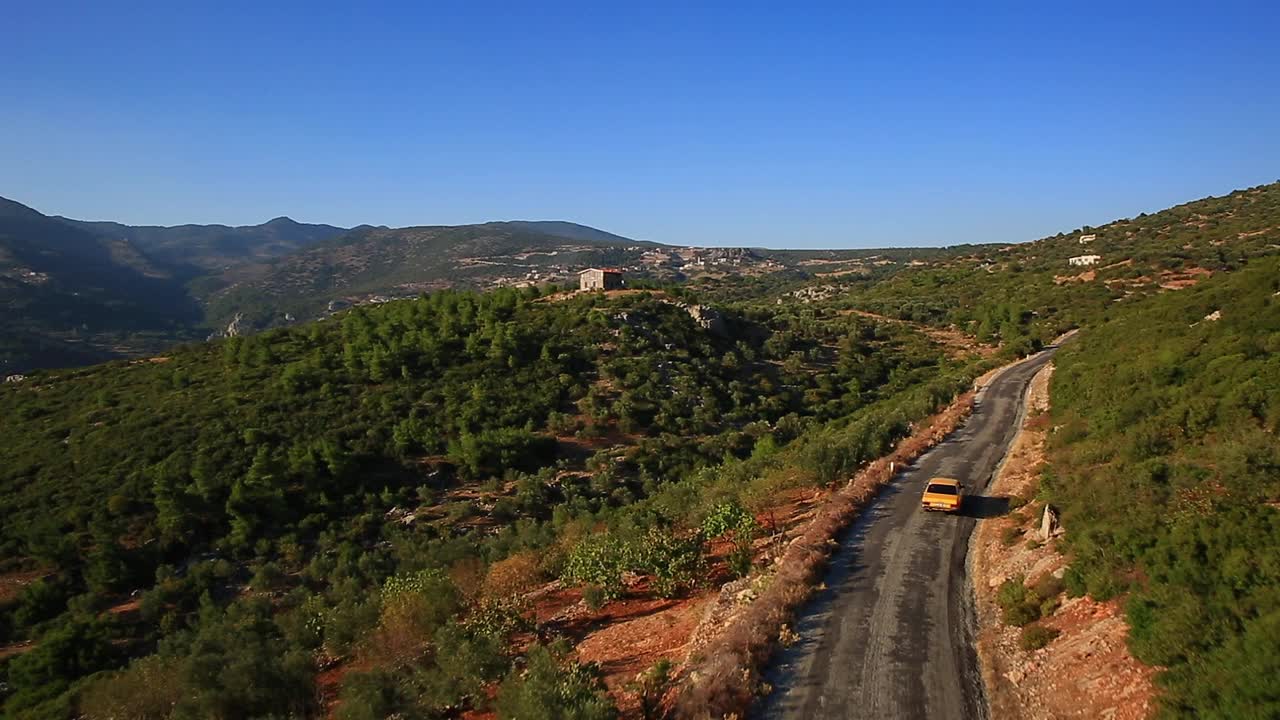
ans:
(77, 291)
(214, 247)
(71, 296)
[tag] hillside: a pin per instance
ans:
(73, 297)
(376, 264)
(1166, 467)
(231, 280)
(354, 492)
(195, 249)
(1163, 457)
(1029, 293)
(355, 512)
(219, 279)
(404, 262)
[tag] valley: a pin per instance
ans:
(429, 480)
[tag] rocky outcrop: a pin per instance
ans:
(236, 327)
(708, 319)
(1048, 523)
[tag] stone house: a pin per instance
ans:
(599, 279)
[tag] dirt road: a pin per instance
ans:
(891, 635)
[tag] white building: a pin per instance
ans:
(1082, 260)
(1086, 239)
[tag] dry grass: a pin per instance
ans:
(722, 680)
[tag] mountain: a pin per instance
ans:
(570, 231)
(282, 271)
(205, 248)
(372, 262)
(71, 296)
(376, 264)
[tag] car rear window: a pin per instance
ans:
(942, 489)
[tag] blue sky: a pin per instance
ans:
(818, 125)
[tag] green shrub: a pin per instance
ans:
(1018, 604)
(1036, 636)
(676, 563)
(1074, 583)
(1010, 536)
(374, 695)
(651, 687)
(598, 560)
(595, 597)
(147, 690)
(268, 577)
(732, 520)
(1048, 586)
(1049, 605)
(553, 687)
(61, 656)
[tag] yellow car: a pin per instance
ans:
(943, 494)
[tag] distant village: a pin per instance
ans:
(533, 268)
(649, 262)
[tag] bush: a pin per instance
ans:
(493, 451)
(147, 690)
(595, 597)
(1036, 636)
(373, 695)
(1018, 605)
(347, 622)
(62, 655)
(268, 577)
(552, 687)
(1046, 586)
(238, 665)
(513, 576)
(598, 560)
(41, 600)
(414, 606)
(675, 563)
(650, 687)
(732, 520)
(1074, 583)
(1011, 536)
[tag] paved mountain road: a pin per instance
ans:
(891, 635)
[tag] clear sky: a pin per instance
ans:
(848, 124)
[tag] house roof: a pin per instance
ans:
(611, 271)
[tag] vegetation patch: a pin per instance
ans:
(1167, 489)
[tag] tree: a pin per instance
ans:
(598, 560)
(552, 687)
(256, 499)
(732, 520)
(74, 649)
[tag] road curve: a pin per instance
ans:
(891, 634)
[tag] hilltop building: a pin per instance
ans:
(1082, 260)
(599, 279)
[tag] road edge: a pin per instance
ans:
(727, 674)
